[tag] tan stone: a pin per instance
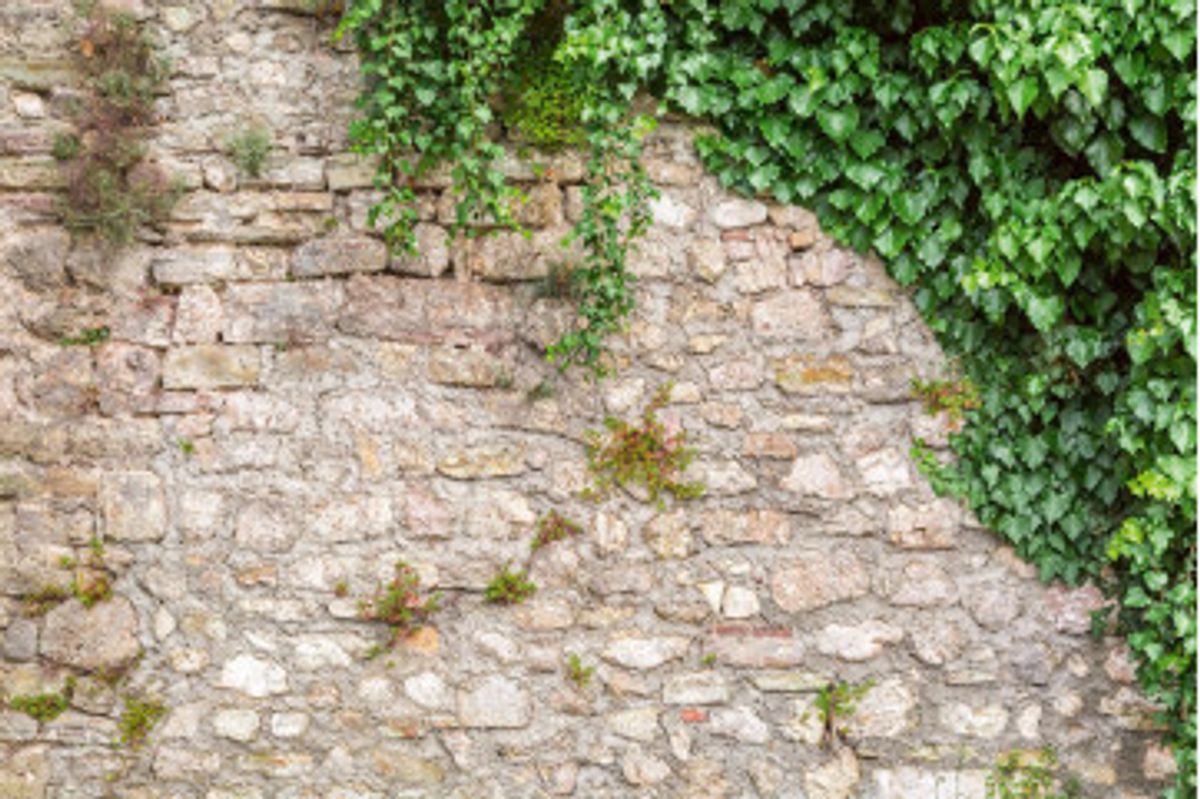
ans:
(211, 366)
(100, 638)
(816, 579)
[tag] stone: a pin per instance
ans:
(668, 535)
(992, 606)
(198, 316)
(207, 366)
(287, 314)
(264, 527)
(610, 534)
(36, 257)
(740, 723)
(1158, 763)
(984, 721)
(924, 583)
(907, 782)
(644, 769)
(857, 642)
(314, 653)
(817, 475)
(432, 258)
(339, 255)
(466, 366)
(726, 527)
(816, 579)
(885, 472)
(640, 653)
(24, 772)
(835, 779)
(637, 724)
(811, 376)
(132, 506)
(885, 711)
(706, 258)
(101, 638)
(502, 460)
(738, 213)
(795, 315)
(236, 724)
(253, 677)
(697, 688)
(289, 725)
(929, 526)
(789, 681)
(740, 603)
(757, 648)
(428, 690)
(21, 640)
(497, 702)
(670, 211)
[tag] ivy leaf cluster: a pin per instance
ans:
(1026, 169)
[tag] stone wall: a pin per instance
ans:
(282, 411)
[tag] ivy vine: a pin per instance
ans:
(1027, 168)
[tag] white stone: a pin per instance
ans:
(645, 653)
(835, 779)
(907, 782)
(428, 690)
(495, 702)
(236, 724)
(314, 654)
(1029, 721)
(671, 212)
(289, 725)
(643, 769)
(713, 592)
(986, 721)
(638, 724)
(885, 711)
(253, 676)
(857, 642)
(885, 471)
(738, 213)
(740, 723)
(699, 688)
(817, 475)
(740, 603)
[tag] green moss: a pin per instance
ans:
(44, 707)
(138, 718)
(509, 587)
(578, 673)
(39, 602)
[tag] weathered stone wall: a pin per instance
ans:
(282, 408)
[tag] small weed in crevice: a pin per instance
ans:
(835, 705)
(578, 673)
(47, 706)
(249, 150)
(139, 717)
(543, 390)
(509, 587)
(645, 455)
(1031, 774)
(187, 446)
(88, 337)
(954, 397)
(551, 527)
(709, 660)
(399, 604)
(45, 598)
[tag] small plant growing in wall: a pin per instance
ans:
(139, 717)
(645, 455)
(835, 704)
(954, 397)
(42, 600)
(111, 187)
(45, 707)
(578, 673)
(551, 527)
(400, 604)
(249, 150)
(1030, 775)
(509, 587)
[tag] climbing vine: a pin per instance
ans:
(1025, 168)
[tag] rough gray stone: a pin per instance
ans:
(132, 506)
(815, 579)
(100, 638)
(339, 255)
